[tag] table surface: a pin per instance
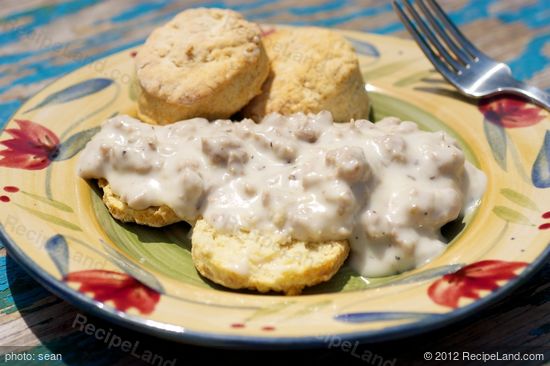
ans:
(32, 33)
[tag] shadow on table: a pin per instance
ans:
(518, 323)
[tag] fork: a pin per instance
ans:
(471, 71)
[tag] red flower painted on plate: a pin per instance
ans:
(468, 281)
(510, 111)
(32, 147)
(123, 290)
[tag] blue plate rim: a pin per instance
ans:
(168, 331)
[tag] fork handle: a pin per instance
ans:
(534, 94)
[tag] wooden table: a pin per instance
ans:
(42, 40)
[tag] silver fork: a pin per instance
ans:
(471, 71)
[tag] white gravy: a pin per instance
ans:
(386, 187)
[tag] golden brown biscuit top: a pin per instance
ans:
(195, 52)
(312, 70)
(314, 53)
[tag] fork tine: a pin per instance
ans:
(431, 36)
(457, 34)
(434, 59)
(462, 56)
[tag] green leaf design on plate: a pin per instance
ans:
(424, 275)
(159, 250)
(496, 136)
(346, 279)
(133, 89)
(414, 78)
(444, 92)
(269, 310)
(519, 199)
(385, 70)
(511, 215)
(50, 218)
(75, 143)
(130, 268)
(311, 308)
(59, 205)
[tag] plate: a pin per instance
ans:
(55, 226)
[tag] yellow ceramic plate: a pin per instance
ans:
(55, 226)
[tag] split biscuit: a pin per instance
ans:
(156, 216)
(246, 260)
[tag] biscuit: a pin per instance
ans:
(312, 70)
(247, 260)
(203, 63)
(152, 216)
